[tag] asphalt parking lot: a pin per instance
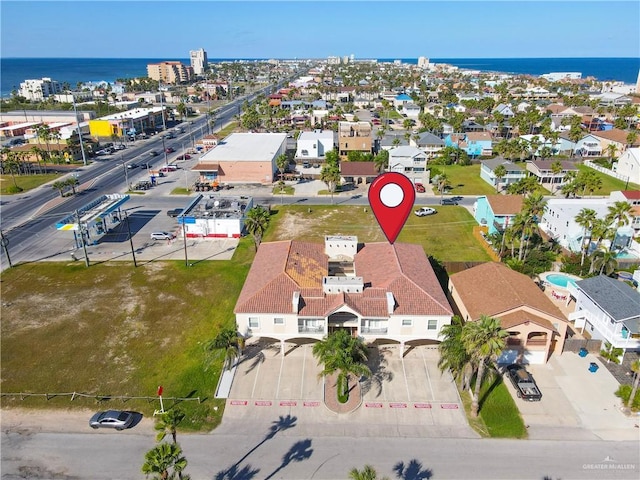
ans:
(405, 396)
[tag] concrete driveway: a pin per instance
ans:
(405, 396)
(576, 403)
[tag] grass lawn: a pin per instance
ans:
(609, 184)
(465, 180)
(113, 329)
(26, 182)
(180, 191)
(499, 416)
(445, 236)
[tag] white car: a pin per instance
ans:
(162, 236)
(424, 211)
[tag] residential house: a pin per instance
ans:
(392, 139)
(429, 143)
(616, 137)
(358, 173)
(478, 144)
(411, 110)
(243, 158)
(401, 100)
(505, 110)
(608, 310)
(496, 212)
(314, 145)
(354, 136)
(410, 161)
(632, 197)
(514, 172)
(542, 143)
(628, 164)
(536, 326)
(542, 170)
(612, 99)
(377, 291)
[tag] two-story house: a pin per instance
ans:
(496, 212)
(607, 309)
(514, 173)
(314, 145)
(354, 136)
(543, 171)
(628, 164)
(429, 143)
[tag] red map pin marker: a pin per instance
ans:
(391, 196)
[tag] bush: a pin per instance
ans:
(623, 393)
(13, 189)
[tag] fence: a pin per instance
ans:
(606, 171)
(575, 344)
(99, 398)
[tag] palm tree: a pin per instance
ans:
(167, 423)
(443, 183)
(367, 473)
(556, 169)
(620, 214)
(60, 186)
(500, 171)
(611, 151)
(585, 219)
(342, 353)
(330, 175)
(281, 162)
(72, 182)
(229, 342)
(453, 355)
(161, 459)
(635, 368)
(256, 223)
(484, 340)
(381, 161)
(604, 261)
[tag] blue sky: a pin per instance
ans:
(317, 29)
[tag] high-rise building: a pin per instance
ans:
(423, 62)
(40, 89)
(169, 72)
(199, 61)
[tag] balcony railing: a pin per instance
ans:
(310, 329)
(373, 331)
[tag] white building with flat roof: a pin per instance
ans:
(39, 89)
(314, 145)
(199, 61)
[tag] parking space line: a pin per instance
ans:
(404, 373)
(255, 381)
(426, 371)
(304, 361)
(279, 376)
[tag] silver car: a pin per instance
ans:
(117, 419)
(162, 236)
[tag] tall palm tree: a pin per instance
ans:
(281, 162)
(230, 343)
(443, 183)
(484, 340)
(330, 175)
(256, 223)
(585, 218)
(381, 161)
(620, 214)
(60, 186)
(522, 223)
(453, 354)
(604, 261)
(162, 459)
(167, 423)
(635, 368)
(72, 182)
(367, 473)
(556, 169)
(342, 353)
(500, 171)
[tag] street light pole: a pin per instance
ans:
(166, 161)
(164, 126)
(126, 174)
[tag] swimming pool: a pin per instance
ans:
(559, 280)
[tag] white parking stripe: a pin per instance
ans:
(255, 380)
(426, 371)
(279, 376)
(404, 372)
(304, 360)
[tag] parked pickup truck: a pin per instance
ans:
(524, 383)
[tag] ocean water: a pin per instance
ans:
(13, 71)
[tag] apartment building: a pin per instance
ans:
(199, 61)
(354, 136)
(39, 89)
(170, 72)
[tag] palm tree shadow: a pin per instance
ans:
(412, 471)
(377, 363)
(253, 355)
(246, 473)
(299, 451)
(283, 423)
(495, 380)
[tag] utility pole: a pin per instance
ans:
(126, 174)
(164, 149)
(5, 244)
(82, 239)
(133, 253)
(75, 111)
(164, 125)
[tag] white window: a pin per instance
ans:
(432, 324)
(254, 322)
(407, 322)
(278, 321)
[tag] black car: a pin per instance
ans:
(153, 153)
(524, 383)
(132, 165)
(174, 212)
(448, 201)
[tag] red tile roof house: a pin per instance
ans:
(536, 326)
(379, 291)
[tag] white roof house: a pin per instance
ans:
(315, 144)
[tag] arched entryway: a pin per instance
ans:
(343, 321)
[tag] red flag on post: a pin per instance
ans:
(160, 391)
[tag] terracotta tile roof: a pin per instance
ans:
(614, 135)
(282, 268)
(478, 136)
(494, 289)
(631, 194)
(518, 317)
(505, 204)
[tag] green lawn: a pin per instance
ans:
(445, 236)
(609, 184)
(26, 182)
(465, 180)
